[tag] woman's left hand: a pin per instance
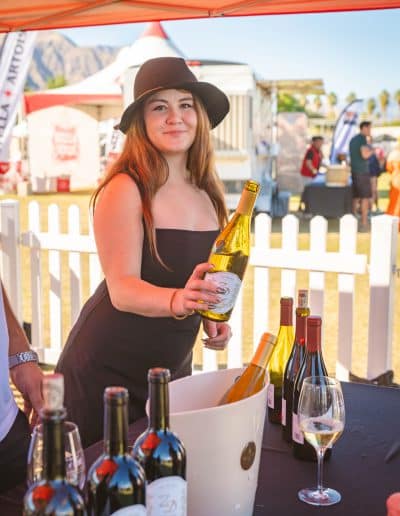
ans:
(218, 333)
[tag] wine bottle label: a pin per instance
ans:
(270, 396)
(166, 497)
(228, 288)
(297, 434)
(283, 412)
(131, 510)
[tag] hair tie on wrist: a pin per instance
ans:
(177, 317)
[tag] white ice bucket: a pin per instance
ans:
(223, 443)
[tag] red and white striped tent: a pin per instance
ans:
(54, 14)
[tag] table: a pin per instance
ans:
(357, 468)
(328, 201)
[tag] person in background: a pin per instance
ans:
(21, 363)
(311, 162)
(393, 167)
(375, 170)
(156, 216)
(360, 152)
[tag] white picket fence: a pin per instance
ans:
(381, 268)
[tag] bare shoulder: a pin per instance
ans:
(121, 188)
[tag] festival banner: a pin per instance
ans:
(346, 127)
(14, 64)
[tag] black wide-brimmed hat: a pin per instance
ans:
(164, 73)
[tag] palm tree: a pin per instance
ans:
(302, 98)
(350, 97)
(384, 98)
(332, 101)
(371, 106)
(317, 103)
(396, 97)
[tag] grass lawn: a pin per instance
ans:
(331, 293)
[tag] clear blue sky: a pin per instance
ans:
(355, 51)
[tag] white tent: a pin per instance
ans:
(100, 95)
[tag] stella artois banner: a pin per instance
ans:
(346, 127)
(14, 63)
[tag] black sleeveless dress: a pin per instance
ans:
(110, 347)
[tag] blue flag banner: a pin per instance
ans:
(346, 127)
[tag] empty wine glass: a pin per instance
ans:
(74, 457)
(321, 415)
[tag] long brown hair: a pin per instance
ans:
(139, 159)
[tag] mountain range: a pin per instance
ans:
(55, 55)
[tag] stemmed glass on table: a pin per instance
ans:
(74, 456)
(321, 416)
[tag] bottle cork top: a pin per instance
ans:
(286, 311)
(53, 391)
(252, 186)
(268, 338)
(302, 301)
(159, 375)
(116, 395)
(314, 320)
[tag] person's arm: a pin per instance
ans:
(27, 377)
(309, 163)
(366, 151)
(118, 230)
(311, 167)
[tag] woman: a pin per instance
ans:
(393, 167)
(156, 215)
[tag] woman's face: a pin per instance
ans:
(170, 119)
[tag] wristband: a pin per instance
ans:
(177, 317)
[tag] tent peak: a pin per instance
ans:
(154, 29)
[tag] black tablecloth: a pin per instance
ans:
(328, 201)
(357, 468)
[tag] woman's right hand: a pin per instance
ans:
(197, 294)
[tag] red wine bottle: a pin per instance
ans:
(53, 494)
(293, 364)
(276, 367)
(116, 480)
(313, 365)
(161, 453)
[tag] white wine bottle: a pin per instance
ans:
(252, 379)
(277, 365)
(230, 254)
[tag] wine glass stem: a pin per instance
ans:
(320, 458)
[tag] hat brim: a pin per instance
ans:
(214, 100)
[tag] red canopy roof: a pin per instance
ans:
(53, 14)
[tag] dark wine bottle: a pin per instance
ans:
(53, 495)
(116, 481)
(313, 365)
(276, 367)
(161, 453)
(293, 364)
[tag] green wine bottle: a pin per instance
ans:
(53, 494)
(116, 481)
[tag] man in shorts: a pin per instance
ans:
(360, 152)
